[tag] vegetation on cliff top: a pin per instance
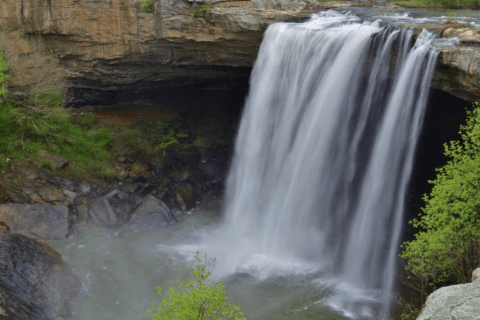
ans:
(446, 248)
(439, 4)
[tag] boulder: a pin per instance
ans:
(39, 221)
(152, 211)
(460, 301)
(102, 213)
(35, 282)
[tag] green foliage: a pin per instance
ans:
(204, 10)
(167, 140)
(194, 299)
(202, 143)
(3, 77)
(446, 4)
(447, 245)
(27, 131)
(88, 120)
(147, 6)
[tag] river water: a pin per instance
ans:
(314, 201)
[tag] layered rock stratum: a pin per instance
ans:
(113, 45)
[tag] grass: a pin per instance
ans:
(26, 132)
(39, 123)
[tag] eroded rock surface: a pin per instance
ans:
(36, 284)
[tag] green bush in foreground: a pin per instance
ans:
(194, 299)
(447, 245)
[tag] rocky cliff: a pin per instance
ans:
(112, 45)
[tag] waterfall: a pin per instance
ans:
(324, 153)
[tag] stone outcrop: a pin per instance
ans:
(36, 284)
(460, 301)
(39, 221)
(458, 67)
(113, 45)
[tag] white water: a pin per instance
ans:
(324, 154)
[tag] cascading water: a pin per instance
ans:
(324, 153)
(315, 195)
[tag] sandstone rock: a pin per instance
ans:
(36, 283)
(40, 221)
(453, 302)
(110, 46)
(152, 211)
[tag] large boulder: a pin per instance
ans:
(35, 283)
(39, 221)
(152, 211)
(460, 301)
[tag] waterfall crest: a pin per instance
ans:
(324, 152)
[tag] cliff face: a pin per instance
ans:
(111, 45)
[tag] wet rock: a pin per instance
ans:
(460, 301)
(28, 174)
(180, 176)
(31, 194)
(184, 195)
(81, 214)
(55, 160)
(39, 221)
(15, 196)
(52, 194)
(58, 181)
(121, 171)
(4, 227)
(138, 169)
(69, 195)
(152, 211)
(102, 213)
(85, 188)
(36, 284)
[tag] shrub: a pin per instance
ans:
(147, 6)
(202, 143)
(446, 247)
(3, 77)
(194, 299)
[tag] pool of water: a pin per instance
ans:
(119, 269)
